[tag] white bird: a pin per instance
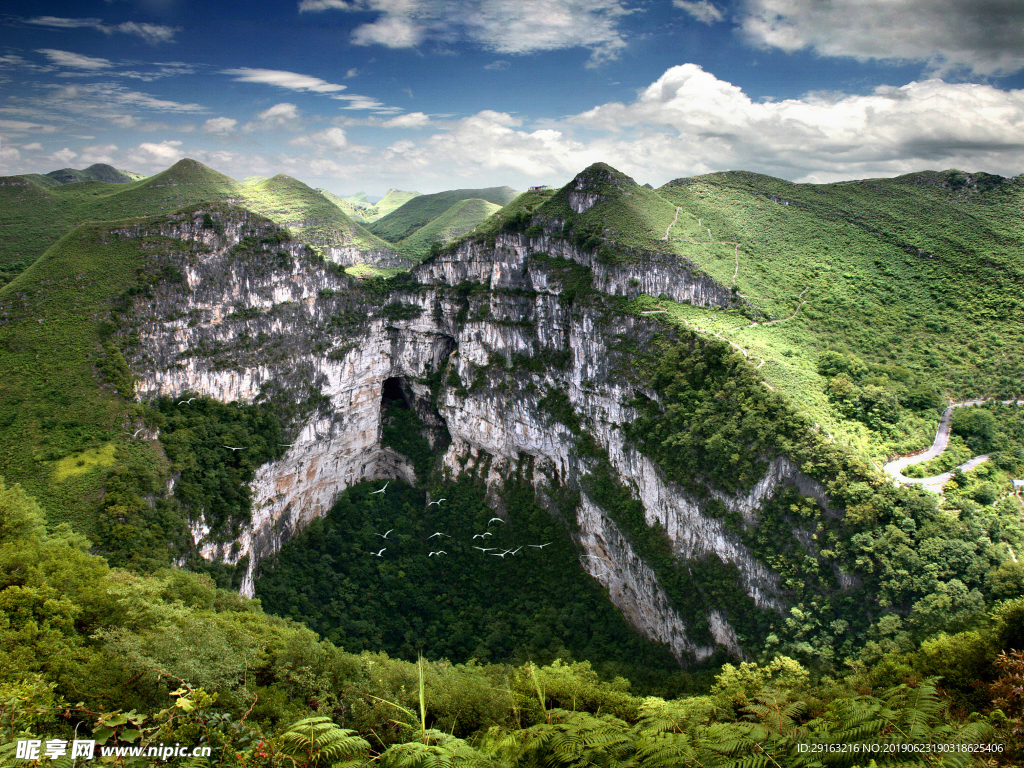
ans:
(384, 535)
(481, 535)
(381, 490)
(438, 502)
(495, 518)
(439, 552)
(287, 445)
(538, 546)
(189, 401)
(501, 555)
(437, 534)
(379, 554)
(138, 430)
(485, 549)
(512, 551)
(235, 449)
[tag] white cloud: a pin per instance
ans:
(499, 64)
(504, 26)
(392, 31)
(165, 152)
(701, 10)
(76, 60)
(330, 138)
(35, 146)
(10, 127)
(98, 153)
(151, 33)
(291, 81)
(688, 122)
(411, 120)
(220, 125)
(100, 99)
(351, 73)
(283, 115)
(985, 37)
(63, 156)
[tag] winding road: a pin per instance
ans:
(935, 483)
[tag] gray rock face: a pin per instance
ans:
(249, 325)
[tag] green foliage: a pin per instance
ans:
(442, 208)
(198, 438)
(977, 427)
(402, 431)
(316, 741)
(467, 604)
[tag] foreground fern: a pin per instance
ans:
(316, 741)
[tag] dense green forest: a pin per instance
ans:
(87, 651)
(452, 623)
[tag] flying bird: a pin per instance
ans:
(495, 518)
(374, 493)
(189, 401)
(485, 549)
(379, 554)
(481, 535)
(287, 445)
(439, 552)
(501, 554)
(384, 535)
(437, 534)
(512, 551)
(538, 546)
(235, 449)
(138, 430)
(438, 502)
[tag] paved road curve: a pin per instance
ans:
(895, 468)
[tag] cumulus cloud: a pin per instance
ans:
(330, 138)
(35, 146)
(504, 26)
(75, 60)
(151, 33)
(220, 125)
(63, 156)
(692, 122)
(701, 10)
(98, 153)
(165, 152)
(985, 37)
(283, 115)
(411, 120)
(391, 31)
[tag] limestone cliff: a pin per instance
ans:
(256, 318)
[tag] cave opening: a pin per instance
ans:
(392, 394)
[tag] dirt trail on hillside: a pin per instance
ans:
(669, 229)
(895, 468)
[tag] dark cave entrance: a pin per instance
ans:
(392, 395)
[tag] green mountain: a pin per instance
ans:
(421, 210)
(449, 226)
(35, 217)
(95, 172)
(353, 210)
(312, 216)
(640, 427)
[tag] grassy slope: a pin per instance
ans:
(52, 403)
(423, 209)
(34, 218)
(847, 255)
(309, 214)
(450, 225)
(393, 200)
(921, 272)
(350, 209)
(95, 172)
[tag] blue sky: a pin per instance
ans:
(425, 95)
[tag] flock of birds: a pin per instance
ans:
(439, 552)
